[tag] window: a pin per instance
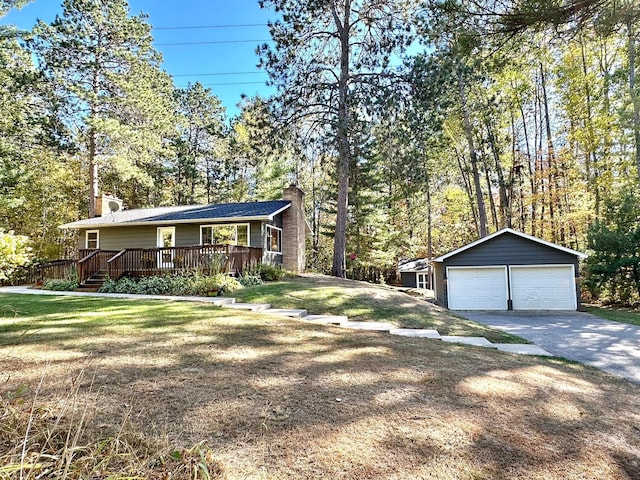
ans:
(274, 239)
(230, 234)
(92, 239)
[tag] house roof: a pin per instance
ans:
(220, 212)
(513, 232)
(406, 265)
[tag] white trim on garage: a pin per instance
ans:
(477, 288)
(543, 287)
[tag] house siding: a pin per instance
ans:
(119, 238)
(409, 279)
(507, 249)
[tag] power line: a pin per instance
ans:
(232, 83)
(215, 74)
(208, 43)
(212, 26)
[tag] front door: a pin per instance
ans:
(166, 240)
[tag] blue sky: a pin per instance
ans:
(229, 69)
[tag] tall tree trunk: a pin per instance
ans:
(591, 156)
(342, 137)
(551, 159)
(635, 97)
(93, 173)
(516, 171)
(505, 208)
(492, 203)
(605, 70)
(482, 213)
(92, 147)
(464, 172)
(533, 184)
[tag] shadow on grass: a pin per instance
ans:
(367, 302)
(299, 400)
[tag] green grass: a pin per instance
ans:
(622, 315)
(363, 302)
(58, 320)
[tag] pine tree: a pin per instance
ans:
(114, 96)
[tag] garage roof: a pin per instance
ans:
(514, 232)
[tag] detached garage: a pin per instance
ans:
(508, 270)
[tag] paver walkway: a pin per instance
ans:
(340, 320)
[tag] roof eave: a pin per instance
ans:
(280, 210)
(139, 223)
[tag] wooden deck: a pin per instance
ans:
(144, 262)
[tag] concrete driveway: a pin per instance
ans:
(610, 346)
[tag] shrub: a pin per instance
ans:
(15, 252)
(123, 285)
(220, 284)
(60, 285)
(249, 279)
(173, 285)
(271, 273)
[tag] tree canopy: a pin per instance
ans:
(414, 127)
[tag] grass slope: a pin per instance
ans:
(622, 315)
(103, 388)
(362, 301)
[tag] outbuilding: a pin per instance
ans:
(508, 270)
(416, 273)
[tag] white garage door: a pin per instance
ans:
(481, 288)
(543, 288)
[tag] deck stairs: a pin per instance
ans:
(93, 283)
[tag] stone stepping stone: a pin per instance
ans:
(326, 319)
(286, 312)
(371, 326)
(415, 332)
(523, 349)
(218, 301)
(254, 307)
(475, 341)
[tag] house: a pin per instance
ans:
(416, 273)
(158, 240)
(508, 270)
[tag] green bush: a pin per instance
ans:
(124, 285)
(201, 285)
(249, 279)
(271, 273)
(60, 285)
(218, 284)
(15, 252)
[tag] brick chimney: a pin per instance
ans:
(294, 230)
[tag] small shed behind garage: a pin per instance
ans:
(416, 273)
(508, 270)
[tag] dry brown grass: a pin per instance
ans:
(275, 398)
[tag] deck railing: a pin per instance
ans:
(171, 260)
(41, 272)
(92, 262)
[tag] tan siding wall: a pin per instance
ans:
(187, 235)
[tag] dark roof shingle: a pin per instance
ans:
(186, 214)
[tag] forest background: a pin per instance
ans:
(522, 115)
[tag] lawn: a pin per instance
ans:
(362, 301)
(622, 315)
(124, 389)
